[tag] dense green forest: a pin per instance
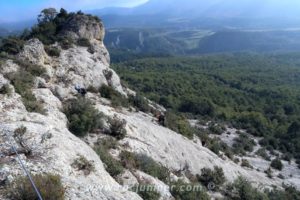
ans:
(255, 41)
(259, 93)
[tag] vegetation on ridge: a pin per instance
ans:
(50, 23)
(83, 117)
(49, 185)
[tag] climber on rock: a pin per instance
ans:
(80, 90)
(161, 119)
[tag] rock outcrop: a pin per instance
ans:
(74, 66)
(34, 52)
(177, 152)
(84, 26)
(53, 146)
(55, 149)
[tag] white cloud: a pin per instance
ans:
(90, 4)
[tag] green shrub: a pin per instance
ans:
(84, 42)
(200, 106)
(214, 144)
(209, 176)
(107, 91)
(277, 164)
(245, 163)
(52, 51)
(129, 160)
(107, 143)
(184, 128)
(170, 121)
(217, 146)
(50, 24)
(82, 164)
(287, 157)
(116, 98)
(140, 103)
(119, 101)
(12, 45)
(92, 89)
(262, 152)
(149, 166)
(45, 32)
(182, 191)
(147, 192)
(145, 164)
(49, 186)
(31, 103)
(66, 43)
(5, 89)
(243, 143)
(227, 150)
(83, 117)
(242, 189)
(178, 124)
(117, 128)
(112, 166)
(23, 82)
(33, 69)
(216, 129)
(289, 193)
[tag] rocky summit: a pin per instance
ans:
(37, 117)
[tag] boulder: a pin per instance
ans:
(34, 52)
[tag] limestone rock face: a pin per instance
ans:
(83, 26)
(8, 67)
(34, 52)
(176, 152)
(55, 149)
(158, 186)
(3, 81)
(78, 66)
(74, 66)
(128, 179)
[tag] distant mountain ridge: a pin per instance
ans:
(17, 26)
(166, 7)
(220, 13)
(177, 8)
(212, 14)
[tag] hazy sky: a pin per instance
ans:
(15, 10)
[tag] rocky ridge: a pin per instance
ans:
(55, 148)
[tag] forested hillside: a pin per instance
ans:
(255, 41)
(259, 93)
(181, 41)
